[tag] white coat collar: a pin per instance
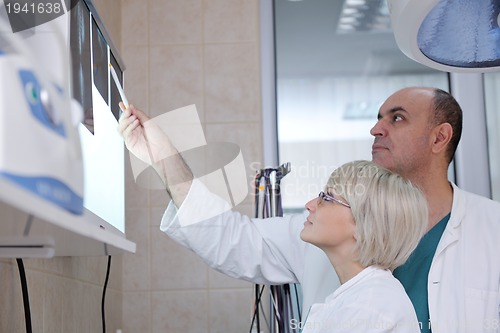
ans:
(457, 207)
(452, 231)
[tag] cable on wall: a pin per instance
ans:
(26, 301)
(103, 313)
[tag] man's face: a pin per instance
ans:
(403, 132)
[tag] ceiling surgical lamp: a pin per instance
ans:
(449, 35)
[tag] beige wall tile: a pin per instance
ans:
(36, 263)
(176, 78)
(136, 197)
(11, 304)
(37, 281)
(113, 308)
(137, 312)
(158, 199)
(218, 280)
(90, 269)
(230, 21)
(134, 23)
(110, 14)
(247, 136)
(180, 311)
(53, 307)
(231, 83)
(136, 267)
(174, 22)
(156, 215)
(174, 267)
(81, 305)
(136, 75)
(230, 310)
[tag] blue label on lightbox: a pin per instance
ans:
(50, 189)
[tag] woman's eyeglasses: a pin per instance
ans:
(329, 198)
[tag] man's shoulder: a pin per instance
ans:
(473, 199)
(477, 212)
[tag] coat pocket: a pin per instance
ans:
(482, 310)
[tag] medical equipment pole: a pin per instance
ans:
(268, 204)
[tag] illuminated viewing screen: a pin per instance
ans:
(102, 146)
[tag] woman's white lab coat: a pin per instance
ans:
(464, 278)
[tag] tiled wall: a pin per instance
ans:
(65, 292)
(65, 295)
(177, 53)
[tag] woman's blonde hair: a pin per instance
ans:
(390, 213)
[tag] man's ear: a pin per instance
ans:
(442, 136)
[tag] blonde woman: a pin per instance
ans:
(367, 221)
